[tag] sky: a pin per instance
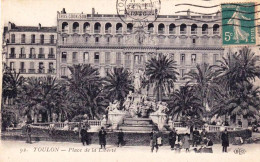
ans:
(32, 12)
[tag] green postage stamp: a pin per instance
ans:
(238, 24)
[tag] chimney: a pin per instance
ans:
(188, 12)
(39, 26)
(9, 26)
(93, 11)
(63, 11)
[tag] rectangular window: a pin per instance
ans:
(108, 39)
(85, 57)
(193, 41)
(42, 39)
(193, 58)
(21, 65)
(41, 50)
(96, 57)
(12, 65)
(12, 51)
(141, 59)
(74, 57)
(32, 38)
(52, 39)
(13, 38)
(119, 39)
(50, 67)
(215, 59)
(182, 73)
(22, 51)
(41, 67)
(118, 58)
(97, 39)
(107, 70)
(136, 58)
(128, 60)
(32, 51)
(51, 51)
(31, 65)
(182, 59)
(107, 57)
(64, 56)
(23, 38)
(204, 58)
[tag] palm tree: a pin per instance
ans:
(203, 82)
(118, 84)
(161, 72)
(184, 105)
(86, 87)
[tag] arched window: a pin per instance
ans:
(215, 29)
(161, 28)
(86, 27)
(75, 27)
(129, 27)
(65, 27)
(108, 28)
(150, 27)
(172, 29)
(97, 27)
(194, 29)
(204, 29)
(119, 28)
(183, 29)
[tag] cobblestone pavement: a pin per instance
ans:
(66, 151)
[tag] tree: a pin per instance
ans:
(185, 106)
(161, 72)
(118, 84)
(203, 82)
(86, 88)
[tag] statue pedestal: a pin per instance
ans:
(159, 119)
(116, 117)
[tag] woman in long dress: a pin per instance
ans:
(239, 34)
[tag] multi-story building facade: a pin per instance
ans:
(105, 41)
(30, 50)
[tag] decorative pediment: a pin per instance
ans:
(161, 36)
(194, 37)
(65, 35)
(172, 36)
(205, 37)
(86, 35)
(118, 35)
(108, 35)
(97, 35)
(183, 36)
(75, 35)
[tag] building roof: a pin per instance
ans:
(34, 29)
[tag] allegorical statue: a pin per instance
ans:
(137, 82)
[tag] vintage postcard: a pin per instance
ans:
(130, 80)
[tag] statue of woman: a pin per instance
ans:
(137, 82)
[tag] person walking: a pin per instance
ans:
(28, 131)
(153, 143)
(120, 138)
(196, 137)
(186, 142)
(225, 140)
(172, 138)
(203, 136)
(84, 136)
(102, 138)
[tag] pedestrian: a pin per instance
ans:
(186, 142)
(120, 138)
(196, 137)
(84, 135)
(153, 142)
(102, 138)
(28, 131)
(225, 140)
(172, 138)
(203, 136)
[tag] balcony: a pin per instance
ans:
(51, 56)
(86, 31)
(22, 70)
(12, 55)
(41, 41)
(107, 31)
(193, 32)
(64, 30)
(160, 32)
(22, 55)
(41, 56)
(31, 71)
(51, 71)
(183, 32)
(129, 30)
(216, 32)
(63, 60)
(204, 32)
(75, 30)
(96, 31)
(32, 55)
(52, 41)
(172, 32)
(96, 61)
(41, 71)
(118, 31)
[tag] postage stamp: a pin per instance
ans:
(238, 24)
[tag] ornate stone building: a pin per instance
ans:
(30, 50)
(105, 41)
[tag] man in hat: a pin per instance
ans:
(196, 137)
(172, 138)
(154, 142)
(28, 131)
(102, 138)
(225, 140)
(84, 135)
